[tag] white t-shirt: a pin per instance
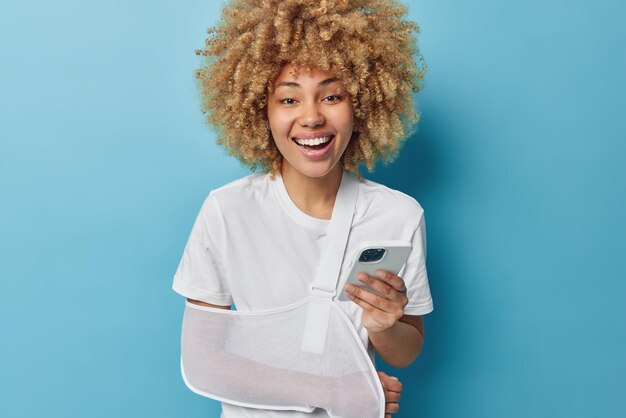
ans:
(251, 246)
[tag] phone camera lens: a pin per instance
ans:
(372, 255)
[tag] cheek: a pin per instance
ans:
(279, 127)
(346, 119)
(344, 114)
(284, 127)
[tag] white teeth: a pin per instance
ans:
(313, 141)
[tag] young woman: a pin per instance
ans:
(307, 91)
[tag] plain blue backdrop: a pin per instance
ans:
(518, 163)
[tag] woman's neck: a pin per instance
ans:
(314, 196)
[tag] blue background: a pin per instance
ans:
(105, 161)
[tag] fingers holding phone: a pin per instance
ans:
(380, 312)
(385, 284)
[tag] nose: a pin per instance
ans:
(311, 116)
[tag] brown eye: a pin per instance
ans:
(333, 98)
(287, 101)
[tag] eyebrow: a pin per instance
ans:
(295, 85)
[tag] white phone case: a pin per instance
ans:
(393, 260)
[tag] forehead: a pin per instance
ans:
(314, 77)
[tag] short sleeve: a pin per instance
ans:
(200, 274)
(415, 276)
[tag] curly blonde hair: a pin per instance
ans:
(366, 44)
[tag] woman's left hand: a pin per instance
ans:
(379, 312)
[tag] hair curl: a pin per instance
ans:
(365, 43)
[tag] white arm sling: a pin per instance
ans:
(300, 357)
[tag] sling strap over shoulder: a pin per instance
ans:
(325, 285)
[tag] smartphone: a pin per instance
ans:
(390, 255)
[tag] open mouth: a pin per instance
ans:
(314, 144)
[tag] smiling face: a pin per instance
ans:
(311, 118)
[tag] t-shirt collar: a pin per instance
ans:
(320, 225)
